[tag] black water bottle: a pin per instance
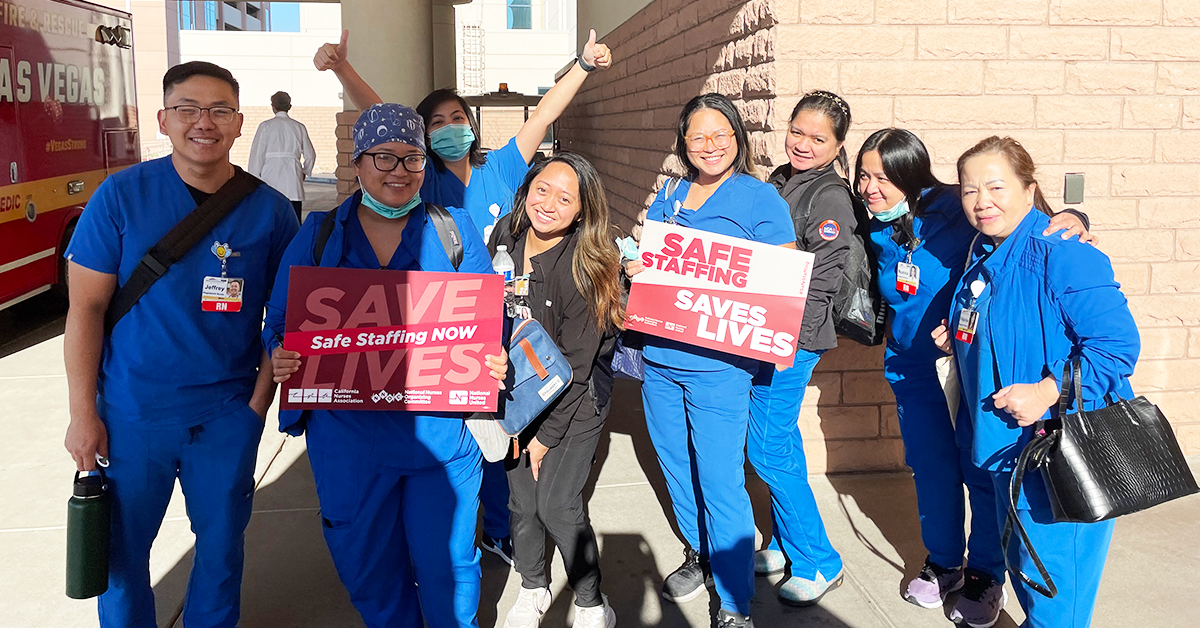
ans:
(88, 520)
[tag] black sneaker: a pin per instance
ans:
(687, 582)
(501, 547)
(726, 619)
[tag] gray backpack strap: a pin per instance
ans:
(447, 231)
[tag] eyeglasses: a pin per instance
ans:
(190, 114)
(721, 139)
(387, 162)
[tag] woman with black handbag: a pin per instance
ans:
(562, 239)
(1027, 304)
(921, 238)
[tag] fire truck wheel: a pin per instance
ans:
(61, 287)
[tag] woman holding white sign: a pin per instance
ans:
(399, 490)
(921, 239)
(562, 239)
(697, 400)
(824, 221)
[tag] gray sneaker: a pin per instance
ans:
(981, 601)
(726, 619)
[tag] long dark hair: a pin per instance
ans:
(743, 163)
(836, 109)
(907, 165)
(425, 110)
(595, 265)
(1018, 159)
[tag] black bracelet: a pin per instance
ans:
(584, 64)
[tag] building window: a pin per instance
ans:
(520, 14)
(187, 21)
(210, 15)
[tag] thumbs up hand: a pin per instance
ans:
(596, 54)
(332, 56)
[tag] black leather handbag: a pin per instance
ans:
(1098, 465)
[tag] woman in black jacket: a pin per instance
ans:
(810, 183)
(562, 239)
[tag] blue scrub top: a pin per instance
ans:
(1045, 301)
(168, 362)
(490, 193)
(390, 438)
(742, 207)
(943, 237)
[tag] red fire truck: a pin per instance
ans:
(68, 119)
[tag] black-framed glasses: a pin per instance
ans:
(190, 114)
(387, 162)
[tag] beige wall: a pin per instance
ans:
(1109, 88)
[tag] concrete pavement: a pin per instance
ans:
(1150, 578)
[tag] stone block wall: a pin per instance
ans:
(1107, 88)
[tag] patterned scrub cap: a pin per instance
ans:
(388, 122)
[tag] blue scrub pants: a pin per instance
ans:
(776, 449)
(697, 421)
(402, 540)
(214, 461)
(494, 496)
(1073, 554)
(940, 470)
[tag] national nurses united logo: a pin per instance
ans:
(384, 395)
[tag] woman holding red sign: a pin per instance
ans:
(921, 239)
(399, 490)
(696, 400)
(563, 240)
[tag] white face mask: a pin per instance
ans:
(889, 215)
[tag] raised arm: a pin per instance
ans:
(555, 101)
(334, 57)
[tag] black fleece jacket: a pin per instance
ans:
(556, 303)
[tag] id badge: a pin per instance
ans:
(222, 294)
(521, 286)
(908, 278)
(967, 320)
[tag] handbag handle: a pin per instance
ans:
(1072, 377)
(1035, 452)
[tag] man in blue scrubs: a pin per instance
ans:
(175, 391)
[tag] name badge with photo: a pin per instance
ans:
(222, 294)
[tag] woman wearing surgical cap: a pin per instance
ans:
(399, 490)
(461, 176)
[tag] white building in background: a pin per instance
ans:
(268, 62)
(518, 42)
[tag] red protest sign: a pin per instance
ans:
(719, 292)
(392, 340)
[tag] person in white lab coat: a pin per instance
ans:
(275, 155)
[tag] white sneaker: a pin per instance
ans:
(597, 616)
(527, 612)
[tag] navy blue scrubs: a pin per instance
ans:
(399, 491)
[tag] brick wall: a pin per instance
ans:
(1108, 88)
(320, 122)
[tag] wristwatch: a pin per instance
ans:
(585, 65)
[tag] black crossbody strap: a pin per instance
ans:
(182, 238)
(447, 231)
(1033, 454)
(323, 233)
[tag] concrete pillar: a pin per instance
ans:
(391, 47)
(445, 58)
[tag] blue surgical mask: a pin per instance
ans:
(899, 210)
(452, 142)
(388, 211)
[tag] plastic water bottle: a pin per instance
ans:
(502, 263)
(89, 514)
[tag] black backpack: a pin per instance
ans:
(447, 231)
(858, 308)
